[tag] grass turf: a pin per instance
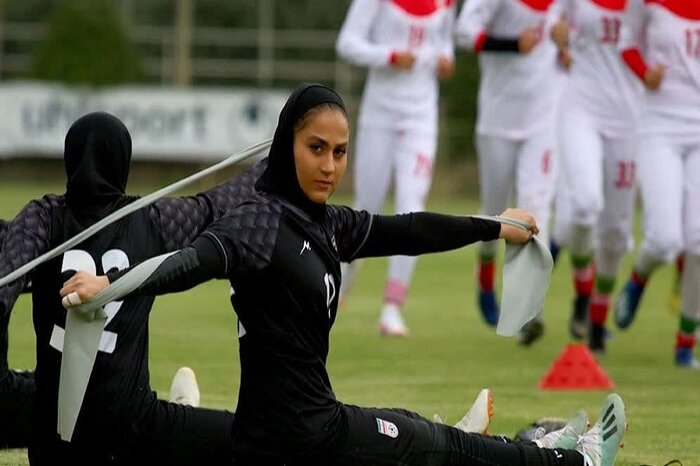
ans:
(449, 356)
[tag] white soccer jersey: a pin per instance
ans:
(667, 33)
(518, 93)
(600, 83)
(373, 30)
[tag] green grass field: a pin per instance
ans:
(449, 356)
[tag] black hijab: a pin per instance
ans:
(97, 155)
(280, 177)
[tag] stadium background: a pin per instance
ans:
(271, 45)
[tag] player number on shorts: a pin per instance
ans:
(692, 42)
(79, 260)
(611, 30)
(626, 175)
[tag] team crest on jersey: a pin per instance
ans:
(387, 428)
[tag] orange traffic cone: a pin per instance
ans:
(576, 369)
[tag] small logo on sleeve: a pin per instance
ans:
(387, 428)
(305, 247)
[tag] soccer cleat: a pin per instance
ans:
(531, 332)
(686, 359)
(479, 416)
(600, 444)
(567, 437)
(578, 325)
(627, 304)
(184, 389)
(391, 323)
(489, 307)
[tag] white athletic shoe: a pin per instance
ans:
(600, 444)
(567, 437)
(479, 416)
(391, 323)
(184, 389)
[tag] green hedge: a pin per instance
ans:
(86, 44)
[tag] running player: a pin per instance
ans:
(281, 251)
(121, 419)
(515, 132)
(407, 46)
(669, 159)
(597, 138)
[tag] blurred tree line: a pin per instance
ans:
(86, 42)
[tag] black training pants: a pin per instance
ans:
(384, 437)
(168, 434)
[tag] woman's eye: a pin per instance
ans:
(340, 152)
(315, 148)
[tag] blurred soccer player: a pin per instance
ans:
(669, 158)
(597, 138)
(121, 419)
(515, 132)
(407, 46)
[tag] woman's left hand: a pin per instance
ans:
(81, 287)
(513, 234)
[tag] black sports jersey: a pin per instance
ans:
(284, 269)
(118, 391)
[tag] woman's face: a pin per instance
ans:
(320, 153)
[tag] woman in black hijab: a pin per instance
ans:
(281, 251)
(121, 420)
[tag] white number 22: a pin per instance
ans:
(80, 260)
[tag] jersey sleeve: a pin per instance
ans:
(354, 43)
(351, 228)
(181, 220)
(632, 37)
(240, 242)
(424, 232)
(471, 29)
(27, 237)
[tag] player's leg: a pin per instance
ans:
(497, 159)
(175, 434)
(660, 173)
(388, 437)
(535, 178)
(16, 393)
(582, 163)
(372, 177)
(414, 155)
(561, 225)
(615, 230)
(690, 291)
(674, 298)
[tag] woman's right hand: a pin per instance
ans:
(513, 234)
(81, 287)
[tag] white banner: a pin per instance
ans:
(165, 123)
